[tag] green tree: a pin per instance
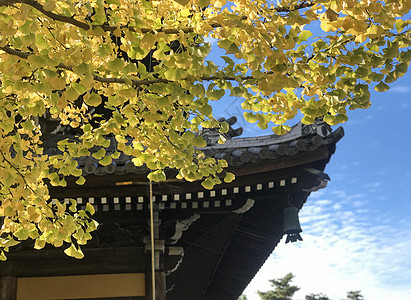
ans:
(316, 297)
(354, 295)
(283, 290)
(242, 297)
(146, 63)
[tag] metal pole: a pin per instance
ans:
(153, 274)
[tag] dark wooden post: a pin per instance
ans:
(160, 278)
(8, 288)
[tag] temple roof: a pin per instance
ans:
(213, 241)
(236, 151)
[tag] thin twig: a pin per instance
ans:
(26, 183)
(52, 34)
(18, 172)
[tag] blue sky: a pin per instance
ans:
(357, 231)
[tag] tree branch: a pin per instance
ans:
(18, 172)
(135, 82)
(108, 28)
(15, 52)
(304, 4)
(49, 14)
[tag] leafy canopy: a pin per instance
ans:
(316, 297)
(66, 57)
(283, 290)
(355, 295)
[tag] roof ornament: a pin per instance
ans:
(291, 224)
(246, 207)
(211, 135)
(318, 127)
(181, 226)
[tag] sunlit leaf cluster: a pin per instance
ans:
(146, 65)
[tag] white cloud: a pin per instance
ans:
(343, 167)
(323, 202)
(358, 203)
(343, 250)
(343, 197)
(400, 89)
(373, 185)
(318, 194)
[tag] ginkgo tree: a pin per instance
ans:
(147, 64)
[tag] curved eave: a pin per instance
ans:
(271, 149)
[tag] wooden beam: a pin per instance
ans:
(82, 287)
(8, 288)
(53, 262)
